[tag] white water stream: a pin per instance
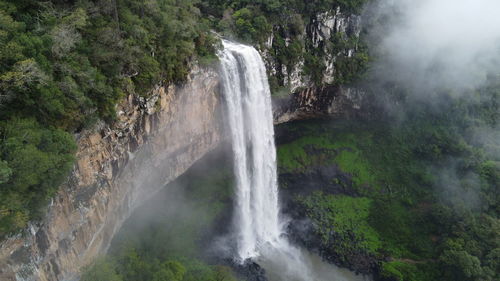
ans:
(251, 122)
(259, 230)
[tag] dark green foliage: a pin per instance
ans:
(408, 271)
(59, 63)
(250, 26)
(348, 67)
(132, 267)
(281, 7)
(346, 218)
(102, 270)
(314, 66)
(5, 172)
(431, 179)
(63, 66)
(35, 162)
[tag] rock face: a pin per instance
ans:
(154, 141)
(333, 101)
(331, 34)
(321, 31)
(328, 33)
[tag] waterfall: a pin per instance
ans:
(258, 228)
(248, 99)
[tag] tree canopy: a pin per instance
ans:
(63, 66)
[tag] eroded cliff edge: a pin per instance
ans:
(153, 142)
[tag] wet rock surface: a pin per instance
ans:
(302, 232)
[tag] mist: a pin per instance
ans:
(431, 45)
(185, 216)
(436, 54)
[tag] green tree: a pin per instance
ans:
(170, 271)
(102, 270)
(460, 265)
(5, 172)
(35, 161)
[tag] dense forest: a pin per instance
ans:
(422, 200)
(417, 198)
(65, 64)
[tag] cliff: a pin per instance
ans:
(331, 36)
(319, 102)
(154, 141)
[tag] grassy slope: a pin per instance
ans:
(388, 219)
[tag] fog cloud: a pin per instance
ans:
(437, 44)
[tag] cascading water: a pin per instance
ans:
(258, 229)
(251, 122)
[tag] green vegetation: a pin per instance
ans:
(344, 149)
(34, 162)
(401, 271)
(254, 21)
(345, 216)
(133, 267)
(426, 187)
(294, 157)
(63, 66)
(165, 239)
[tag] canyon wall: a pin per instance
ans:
(154, 141)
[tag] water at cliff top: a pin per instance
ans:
(258, 227)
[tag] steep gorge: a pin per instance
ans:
(154, 141)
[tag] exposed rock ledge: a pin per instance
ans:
(117, 167)
(332, 101)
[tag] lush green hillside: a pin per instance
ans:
(418, 194)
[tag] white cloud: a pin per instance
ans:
(440, 43)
